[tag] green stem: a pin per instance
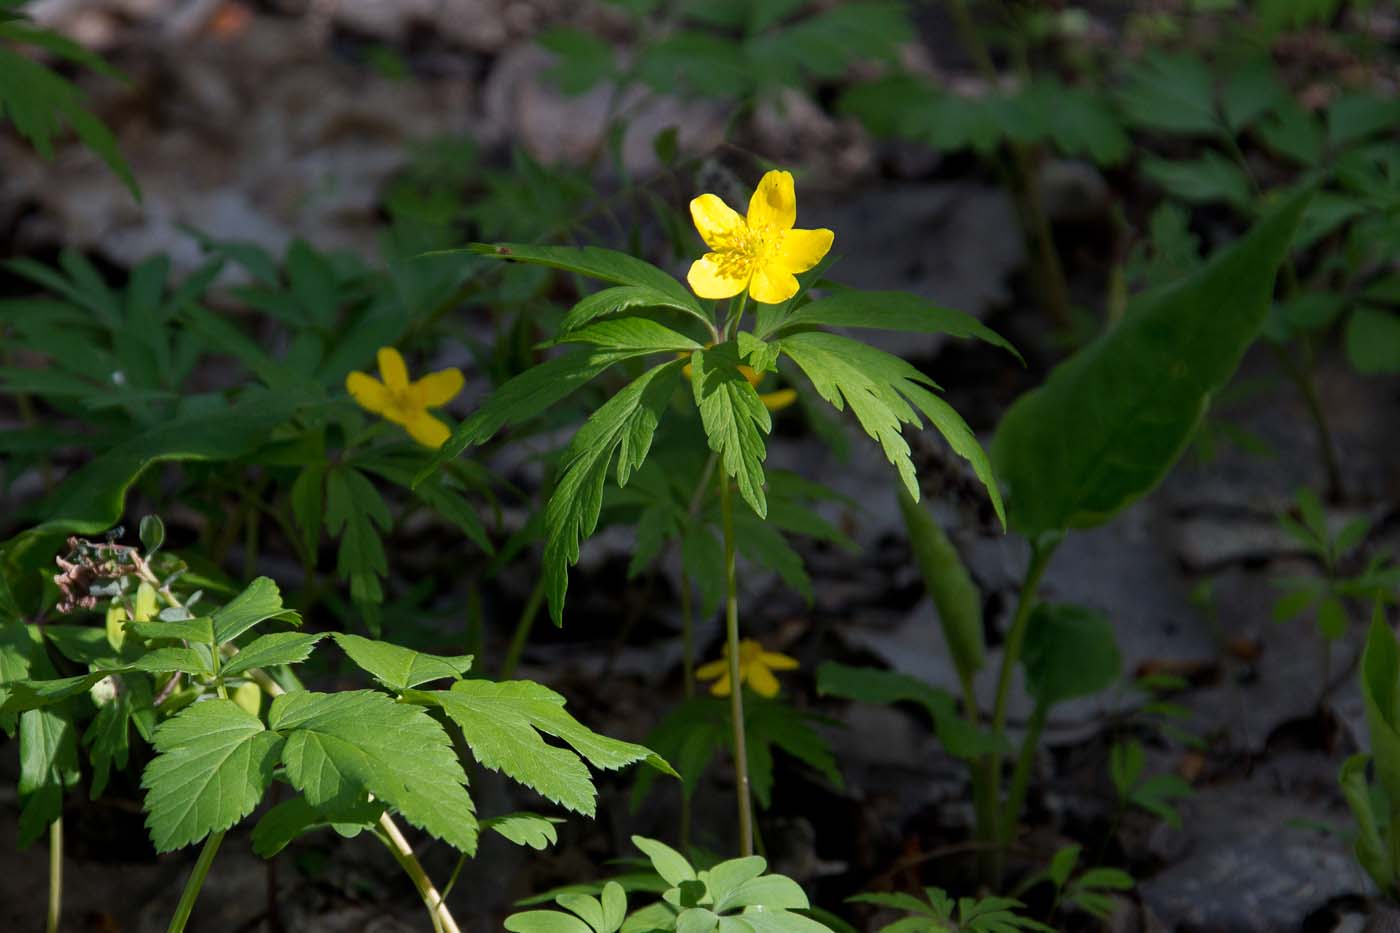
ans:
(1021, 777)
(521, 636)
(388, 833)
(195, 882)
(55, 875)
(736, 690)
(988, 770)
(687, 636)
(1302, 379)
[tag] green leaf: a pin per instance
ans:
(1209, 177)
(597, 263)
(1373, 340)
(48, 762)
(525, 829)
(625, 425)
(108, 738)
(869, 685)
(770, 724)
(356, 513)
(879, 388)
(899, 311)
(955, 596)
(669, 863)
(38, 101)
(581, 59)
(1109, 422)
(632, 335)
(616, 300)
(341, 745)
(545, 921)
(271, 650)
(214, 763)
(260, 600)
(399, 668)
(734, 417)
(1369, 847)
(526, 396)
(503, 722)
(1070, 651)
(1380, 689)
(92, 499)
(198, 630)
(1174, 93)
(291, 818)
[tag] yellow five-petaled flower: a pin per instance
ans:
(756, 668)
(761, 252)
(406, 403)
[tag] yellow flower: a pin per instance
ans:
(756, 668)
(406, 403)
(760, 253)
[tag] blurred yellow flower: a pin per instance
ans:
(406, 403)
(756, 668)
(761, 252)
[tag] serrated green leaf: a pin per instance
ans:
(503, 722)
(213, 764)
(594, 262)
(271, 650)
(200, 630)
(356, 513)
(525, 829)
(631, 335)
(734, 417)
(625, 425)
(898, 311)
(1109, 422)
(340, 745)
(1175, 93)
(526, 396)
(260, 600)
(399, 668)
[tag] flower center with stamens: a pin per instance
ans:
(741, 251)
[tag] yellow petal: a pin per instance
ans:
(748, 373)
(803, 249)
(771, 285)
(392, 369)
(439, 388)
(711, 670)
(762, 681)
(707, 280)
(426, 430)
(368, 392)
(774, 203)
(721, 686)
(717, 222)
(778, 662)
(777, 401)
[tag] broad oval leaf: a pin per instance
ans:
(1070, 651)
(1111, 420)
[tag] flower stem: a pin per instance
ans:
(398, 846)
(55, 875)
(195, 882)
(1020, 778)
(523, 625)
(736, 690)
